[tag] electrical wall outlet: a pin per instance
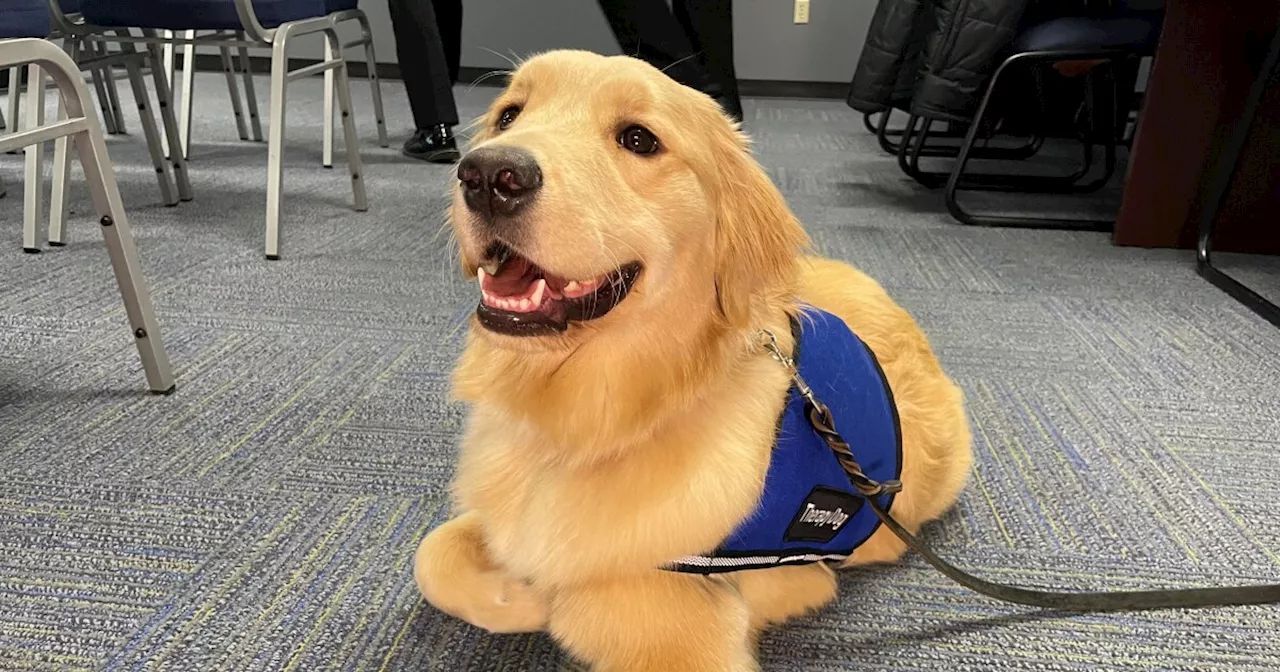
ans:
(802, 11)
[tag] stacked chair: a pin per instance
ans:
(272, 24)
(25, 26)
(99, 63)
(1011, 97)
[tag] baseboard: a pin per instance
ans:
(754, 88)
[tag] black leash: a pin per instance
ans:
(1137, 600)
(1134, 600)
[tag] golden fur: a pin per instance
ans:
(595, 456)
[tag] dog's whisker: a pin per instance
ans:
(487, 76)
(514, 65)
(471, 126)
(631, 248)
(682, 60)
(617, 265)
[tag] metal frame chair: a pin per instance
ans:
(1216, 194)
(957, 181)
(84, 128)
(952, 131)
(278, 39)
(1118, 37)
(112, 116)
(96, 63)
(230, 67)
(96, 58)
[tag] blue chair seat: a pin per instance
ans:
(200, 14)
(340, 5)
(1134, 31)
(24, 18)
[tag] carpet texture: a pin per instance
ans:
(264, 516)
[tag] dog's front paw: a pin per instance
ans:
(506, 606)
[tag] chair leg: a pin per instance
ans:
(61, 164)
(375, 87)
(15, 98)
(164, 99)
(327, 154)
(118, 237)
(169, 64)
(1216, 195)
(956, 181)
(92, 150)
(104, 104)
(873, 127)
(250, 95)
(152, 136)
(275, 138)
(113, 94)
(58, 198)
(34, 186)
(234, 92)
(188, 90)
(351, 140)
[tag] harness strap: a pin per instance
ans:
(1139, 600)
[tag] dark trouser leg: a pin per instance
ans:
(449, 23)
(648, 30)
(709, 25)
(424, 61)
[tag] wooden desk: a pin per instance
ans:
(1203, 67)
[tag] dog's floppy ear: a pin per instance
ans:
(757, 238)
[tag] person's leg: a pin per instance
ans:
(709, 26)
(647, 29)
(424, 67)
(449, 22)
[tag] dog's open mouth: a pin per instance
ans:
(518, 298)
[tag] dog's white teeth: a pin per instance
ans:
(480, 275)
(539, 290)
(574, 289)
(491, 267)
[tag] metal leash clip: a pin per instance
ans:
(820, 417)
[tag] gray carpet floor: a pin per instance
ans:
(264, 516)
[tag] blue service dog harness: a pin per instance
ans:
(821, 502)
(810, 511)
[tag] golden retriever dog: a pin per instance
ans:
(630, 255)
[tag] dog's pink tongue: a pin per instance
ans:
(513, 279)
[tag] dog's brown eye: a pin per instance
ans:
(508, 117)
(638, 140)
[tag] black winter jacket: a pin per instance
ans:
(933, 57)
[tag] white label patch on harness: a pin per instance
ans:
(822, 515)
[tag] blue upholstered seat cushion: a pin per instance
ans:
(24, 18)
(1136, 32)
(199, 14)
(340, 5)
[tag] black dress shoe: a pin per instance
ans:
(435, 145)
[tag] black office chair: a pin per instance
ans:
(1118, 38)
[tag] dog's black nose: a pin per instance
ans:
(499, 180)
